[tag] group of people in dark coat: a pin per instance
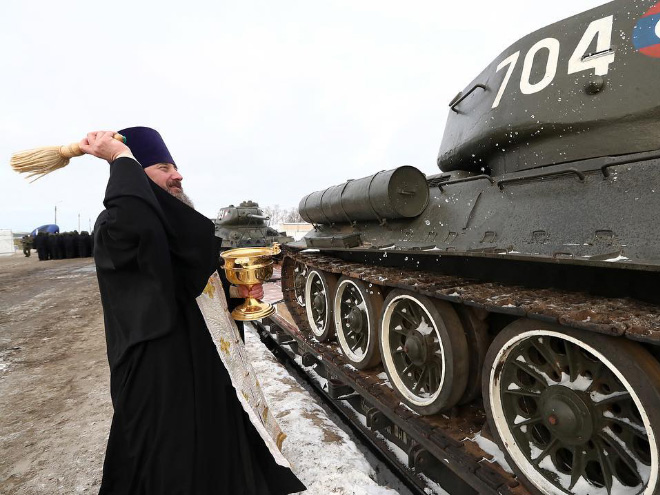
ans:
(63, 245)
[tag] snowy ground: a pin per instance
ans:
(55, 406)
(323, 455)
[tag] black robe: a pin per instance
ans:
(178, 427)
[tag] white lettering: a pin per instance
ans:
(601, 59)
(550, 44)
(511, 62)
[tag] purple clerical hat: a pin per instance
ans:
(147, 146)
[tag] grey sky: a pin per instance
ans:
(262, 100)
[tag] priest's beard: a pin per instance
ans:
(183, 197)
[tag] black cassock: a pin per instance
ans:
(178, 427)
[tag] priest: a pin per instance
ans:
(178, 427)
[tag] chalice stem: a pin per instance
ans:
(252, 309)
(251, 302)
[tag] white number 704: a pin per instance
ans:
(599, 61)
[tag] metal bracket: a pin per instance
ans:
(338, 389)
(376, 420)
(467, 179)
(459, 98)
(542, 175)
(309, 359)
(418, 458)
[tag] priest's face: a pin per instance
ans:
(167, 176)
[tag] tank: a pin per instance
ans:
(246, 225)
(522, 277)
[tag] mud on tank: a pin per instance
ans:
(246, 225)
(524, 275)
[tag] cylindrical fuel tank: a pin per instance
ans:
(398, 193)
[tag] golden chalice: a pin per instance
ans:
(250, 266)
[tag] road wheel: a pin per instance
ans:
(424, 351)
(299, 280)
(319, 296)
(574, 411)
(476, 333)
(357, 319)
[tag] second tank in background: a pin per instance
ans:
(246, 225)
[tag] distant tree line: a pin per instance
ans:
(279, 215)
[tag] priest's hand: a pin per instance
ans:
(256, 291)
(102, 144)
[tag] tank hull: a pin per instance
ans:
(574, 226)
(527, 286)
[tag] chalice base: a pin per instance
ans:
(252, 309)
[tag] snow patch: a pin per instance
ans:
(322, 455)
(491, 448)
(519, 419)
(643, 470)
(86, 269)
(618, 258)
(409, 409)
(627, 421)
(424, 328)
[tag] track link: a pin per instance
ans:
(618, 317)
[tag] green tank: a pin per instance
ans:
(246, 225)
(523, 277)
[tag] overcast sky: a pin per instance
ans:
(263, 100)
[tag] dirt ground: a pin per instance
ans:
(55, 407)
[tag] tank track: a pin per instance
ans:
(276, 332)
(436, 445)
(442, 439)
(617, 317)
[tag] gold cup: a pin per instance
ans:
(250, 266)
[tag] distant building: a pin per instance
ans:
(296, 230)
(6, 242)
